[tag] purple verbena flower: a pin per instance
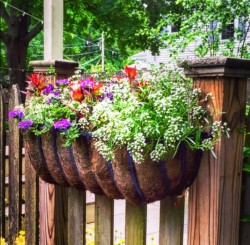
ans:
(62, 124)
(48, 89)
(16, 114)
(62, 82)
(49, 101)
(56, 93)
(110, 95)
(87, 84)
(25, 124)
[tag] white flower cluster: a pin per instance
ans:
(152, 119)
(136, 148)
(159, 151)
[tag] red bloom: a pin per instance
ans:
(38, 81)
(131, 72)
(96, 88)
(76, 91)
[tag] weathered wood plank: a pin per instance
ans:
(7, 180)
(7, 151)
(7, 210)
(171, 221)
(135, 229)
(214, 204)
(61, 215)
(104, 220)
(76, 216)
(53, 205)
(15, 168)
(245, 197)
(31, 204)
(47, 213)
(90, 213)
(2, 163)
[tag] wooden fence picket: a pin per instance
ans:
(76, 216)
(15, 166)
(2, 163)
(171, 221)
(31, 203)
(136, 224)
(104, 220)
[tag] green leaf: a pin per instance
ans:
(246, 168)
(246, 151)
(245, 218)
(213, 153)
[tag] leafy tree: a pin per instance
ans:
(17, 30)
(127, 28)
(206, 21)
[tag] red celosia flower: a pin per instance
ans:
(131, 72)
(38, 81)
(76, 91)
(96, 88)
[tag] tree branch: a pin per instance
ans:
(34, 32)
(4, 13)
(3, 37)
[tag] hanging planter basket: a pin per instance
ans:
(151, 181)
(81, 166)
(148, 181)
(33, 148)
(66, 166)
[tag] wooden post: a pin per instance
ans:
(104, 220)
(2, 163)
(77, 216)
(31, 204)
(136, 223)
(15, 165)
(53, 200)
(47, 213)
(214, 204)
(245, 196)
(171, 221)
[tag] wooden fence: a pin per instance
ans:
(57, 215)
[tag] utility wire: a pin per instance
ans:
(74, 55)
(87, 41)
(23, 12)
(90, 61)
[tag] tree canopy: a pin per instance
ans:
(208, 20)
(129, 26)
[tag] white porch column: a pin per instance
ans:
(53, 29)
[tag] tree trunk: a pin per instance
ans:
(16, 38)
(16, 59)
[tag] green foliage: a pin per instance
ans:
(246, 151)
(246, 219)
(205, 21)
(246, 168)
(131, 27)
